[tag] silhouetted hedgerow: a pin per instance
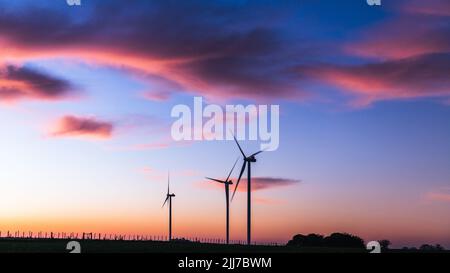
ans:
(343, 240)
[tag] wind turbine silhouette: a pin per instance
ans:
(227, 184)
(248, 160)
(169, 198)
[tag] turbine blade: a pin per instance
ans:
(165, 201)
(240, 149)
(217, 180)
(168, 182)
(228, 177)
(239, 179)
(257, 153)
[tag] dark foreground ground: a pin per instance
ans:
(112, 246)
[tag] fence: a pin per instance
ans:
(119, 237)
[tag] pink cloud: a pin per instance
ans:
(409, 57)
(401, 39)
(149, 146)
(147, 170)
(441, 195)
(157, 96)
(73, 126)
(429, 7)
(261, 183)
(415, 77)
(258, 183)
(421, 27)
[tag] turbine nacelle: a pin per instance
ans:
(247, 162)
(168, 195)
(251, 158)
(227, 181)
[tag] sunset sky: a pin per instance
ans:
(364, 92)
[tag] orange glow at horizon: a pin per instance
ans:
(272, 222)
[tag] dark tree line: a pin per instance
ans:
(343, 240)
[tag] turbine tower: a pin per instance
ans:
(169, 198)
(248, 160)
(227, 184)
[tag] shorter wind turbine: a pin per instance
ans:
(227, 184)
(169, 198)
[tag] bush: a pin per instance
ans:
(344, 240)
(385, 244)
(310, 240)
(431, 248)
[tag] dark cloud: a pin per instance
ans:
(421, 76)
(261, 183)
(17, 83)
(72, 126)
(407, 56)
(228, 49)
(205, 46)
(406, 36)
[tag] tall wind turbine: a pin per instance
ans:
(248, 160)
(169, 198)
(227, 184)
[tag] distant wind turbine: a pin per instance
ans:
(247, 162)
(169, 198)
(227, 184)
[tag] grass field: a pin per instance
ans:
(16, 245)
(112, 246)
